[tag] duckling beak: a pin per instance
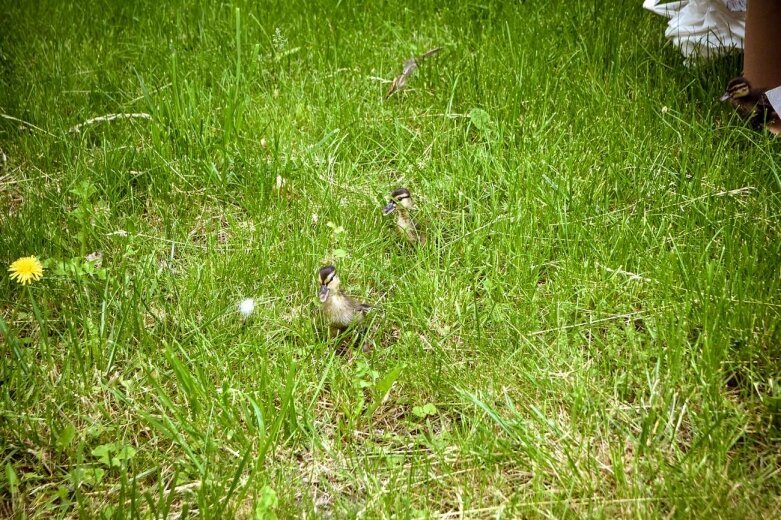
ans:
(323, 293)
(389, 208)
(724, 97)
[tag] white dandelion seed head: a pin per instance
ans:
(246, 307)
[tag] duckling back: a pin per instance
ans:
(410, 229)
(342, 311)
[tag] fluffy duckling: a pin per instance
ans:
(401, 202)
(750, 101)
(341, 310)
(739, 88)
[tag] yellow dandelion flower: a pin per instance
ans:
(25, 270)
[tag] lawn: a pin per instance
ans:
(591, 330)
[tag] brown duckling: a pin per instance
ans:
(401, 202)
(340, 310)
(751, 102)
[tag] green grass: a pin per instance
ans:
(592, 329)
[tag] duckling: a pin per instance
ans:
(739, 88)
(341, 310)
(401, 200)
(750, 101)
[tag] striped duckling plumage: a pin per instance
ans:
(751, 102)
(401, 202)
(340, 310)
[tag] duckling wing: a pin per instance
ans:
(761, 114)
(358, 307)
(414, 233)
(421, 236)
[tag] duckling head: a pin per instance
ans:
(329, 281)
(737, 88)
(399, 197)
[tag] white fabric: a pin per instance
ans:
(703, 28)
(774, 96)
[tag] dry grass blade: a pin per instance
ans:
(22, 121)
(108, 117)
(410, 66)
